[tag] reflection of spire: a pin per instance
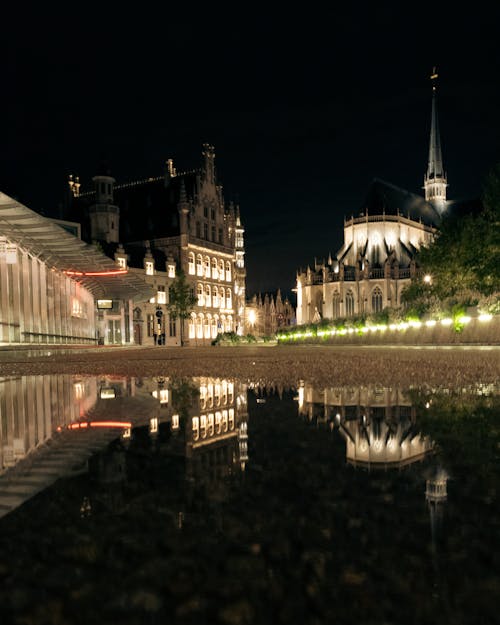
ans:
(435, 495)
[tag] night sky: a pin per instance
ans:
(304, 108)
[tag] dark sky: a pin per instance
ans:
(304, 107)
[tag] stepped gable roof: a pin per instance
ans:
(386, 198)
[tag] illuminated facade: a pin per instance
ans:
(264, 316)
(377, 259)
(181, 217)
(50, 280)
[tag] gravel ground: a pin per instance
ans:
(455, 367)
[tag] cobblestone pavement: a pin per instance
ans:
(455, 366)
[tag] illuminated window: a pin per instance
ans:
(215, 297)
(191, 326)
(199, 265)
(171, 270)
(207, 326)
(211, 424)
(215, 270)
(208, 295)
(150, 268)
(199, 326)
(196, 428)
(214, 327)
(229, 302)
(203, 425)
(122, 262)
(200, 294)
(191, 267)
(162, 295)
(206, 264)
(221, 269)
(222, 298)
(228, 272)
(218, 422)
(376, 300)
(229, 323)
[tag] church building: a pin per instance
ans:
(378, 257)
(163, 224)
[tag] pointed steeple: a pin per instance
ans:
(435, 179)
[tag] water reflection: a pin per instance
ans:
(59, 425)
(216, 500)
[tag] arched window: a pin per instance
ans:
(208, 322)
(229, 302)
(221, 269)
(199, 326)
(215, 326)
(199, 265)
(222, 323)
(215, 270)
(215, 297)
(222, 296)
(336, 305)
(229, 323)
(199, 293)
(228, 271)
(349, 303)
(207, 266)
(208, 295)
(191, 268)
(191, 326)
(376, 299)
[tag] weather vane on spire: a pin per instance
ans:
(434, 77)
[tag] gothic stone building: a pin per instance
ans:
(178, 219)
(378, 257)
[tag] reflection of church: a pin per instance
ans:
(378, 257)
(378, 424)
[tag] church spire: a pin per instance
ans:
(435, 180)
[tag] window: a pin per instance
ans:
(215, 297)
(207, 326)
(150, 267)
(214, 327)
(191, 269)
(171, 270)
(215, 271)
(122, 262)
(198, 230)
(191, 326)
(208, 295)
(376, 300)
(150, 325)
(222, 296)
(172, 327)
(349, 304)
(213, 233)
(205, 231)
(199, 265)
(162, 295)
(220, 235)
(336, 305)
(199, 326)
(229, 303)
(205, 212)
(221, 269)
(199, 293)
(212, 214)
(228, 271)
(207, 266)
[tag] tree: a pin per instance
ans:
(181, 300)
(464, 258)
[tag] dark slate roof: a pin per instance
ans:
(384, 197)
(148, 208)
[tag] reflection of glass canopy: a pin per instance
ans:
(62, 251)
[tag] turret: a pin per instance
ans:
(104, 215)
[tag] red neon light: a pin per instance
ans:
(113, 272)
(99, 424)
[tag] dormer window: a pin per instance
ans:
(171, 270)
(150, 268)
(122, 262)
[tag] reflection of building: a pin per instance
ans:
(377, 260)
(377, 423)
(178, 220)
(265, 316)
